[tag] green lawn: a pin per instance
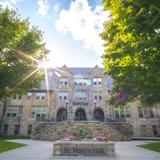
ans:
(154, 146)
(5, 145)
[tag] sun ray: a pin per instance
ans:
(22, 78)
(40, 65)
(26, 56)
(46, 79)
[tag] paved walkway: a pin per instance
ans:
(41, 150)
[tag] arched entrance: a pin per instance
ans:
(98, 114)
(61, 115)
(80, 115)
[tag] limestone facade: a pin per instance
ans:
(76, 94)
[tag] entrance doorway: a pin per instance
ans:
(61, 115)
(98, 114)
(80, 115)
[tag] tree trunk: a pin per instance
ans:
(3, 114)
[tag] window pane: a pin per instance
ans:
(29, 95)
(127, 112)
(151, 114)
(140, 112)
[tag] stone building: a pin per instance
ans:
(79, 96)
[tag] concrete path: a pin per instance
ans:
(41, 150)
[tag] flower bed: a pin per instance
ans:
(76, 138)
(84, 135)
(102, 138)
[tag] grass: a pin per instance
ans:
(154, 146)
(6, 145)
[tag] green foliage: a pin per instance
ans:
(132, 55)
(21, 47)
(5, 145)
(154, 146)
(80, 133)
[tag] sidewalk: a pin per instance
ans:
(42, 150)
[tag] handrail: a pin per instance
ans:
(46, 129)
(123, 133)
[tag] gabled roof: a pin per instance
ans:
(82, 71)
(52, 73)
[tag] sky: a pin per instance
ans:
(71, 28)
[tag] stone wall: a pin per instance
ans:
(59, 130)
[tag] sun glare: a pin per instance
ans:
(46, 64)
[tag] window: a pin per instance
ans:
(97, 95)
(16, 96)
(127, 112)
(151, 114)
(121, 112)
(62, 95)
(19, 97)
(63, 81)
(116, 112)
(29, 132)
(16, 129)
(145, 112)
(140, 112)
(40, 95)
(29, 95)
(5, 129)
(14, 111)
(97, 81)
(38, 112)
(81, 81)
(80, 95)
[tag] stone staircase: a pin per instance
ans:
(122, 127)
(57, 131)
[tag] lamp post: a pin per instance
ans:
(66, 110)
(94, 104)
(94, 112)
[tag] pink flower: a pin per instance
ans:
(69, 137)
(101, 138)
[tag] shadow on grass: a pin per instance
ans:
(14, 137)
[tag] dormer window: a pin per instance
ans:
(63, 81)
(80, 81)
(97, 81)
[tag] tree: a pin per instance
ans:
(132, 54)
(21, 50)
